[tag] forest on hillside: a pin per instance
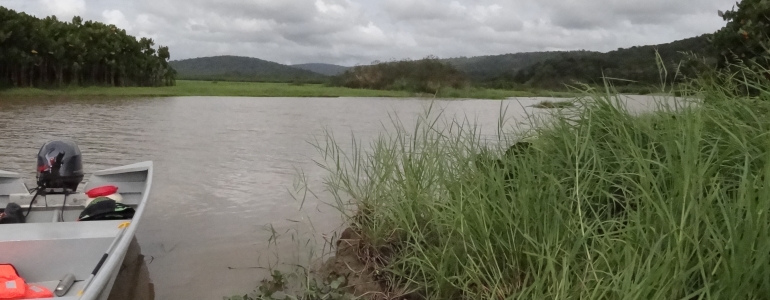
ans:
(323, 69)
(638, 65)
(239, 68)
(426, 75)
(47, 52)
(490, 67)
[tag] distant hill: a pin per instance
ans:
(553, 69)
(325, 69)
(530, 69)
(484, 68)
(239, 68)
(637, 67)
(637, 64)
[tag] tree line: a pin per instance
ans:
(635, 66)
(744, 39)
(48, 52)
(491, 67)
(427, 75)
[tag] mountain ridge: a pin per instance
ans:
(502, 70)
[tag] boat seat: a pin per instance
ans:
(53, 208)
(12, 183)
(130, 185)
(46, 252)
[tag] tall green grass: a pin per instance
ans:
(203, 88)
(598, 203)
(257, 89)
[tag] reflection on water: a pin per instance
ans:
(224, 168)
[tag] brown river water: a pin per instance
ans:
(225, 171)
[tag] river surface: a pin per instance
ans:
(225, 171)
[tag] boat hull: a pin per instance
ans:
(52, 243)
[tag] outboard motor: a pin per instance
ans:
(59, 166)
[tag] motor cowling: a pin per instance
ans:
(59, 165)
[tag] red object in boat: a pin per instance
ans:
(102, 191)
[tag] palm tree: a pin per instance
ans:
(51, 52)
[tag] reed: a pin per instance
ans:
(595, 202)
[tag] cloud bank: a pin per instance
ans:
(350, 32)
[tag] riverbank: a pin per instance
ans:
(257, 89)
(601, 204)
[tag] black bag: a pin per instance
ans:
(103, 208)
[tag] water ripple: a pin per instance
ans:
(223, 166)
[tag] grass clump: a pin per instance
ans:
(599, 203)
(553, 104)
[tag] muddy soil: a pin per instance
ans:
(364, 279)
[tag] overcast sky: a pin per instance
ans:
(350, 32)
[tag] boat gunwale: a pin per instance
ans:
(107, 272)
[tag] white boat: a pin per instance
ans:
(52, 243)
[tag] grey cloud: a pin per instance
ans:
(505, 24)
(360, 31)
(285, 11)
(590, 14)
(65, 8)
(407, 10)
